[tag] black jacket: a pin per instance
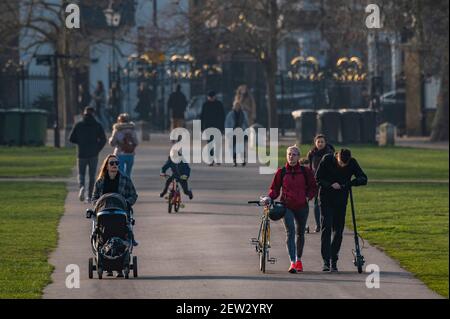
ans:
(177, 103)
(329, 173)
(213, 115)
(315, 155)
(90, 137)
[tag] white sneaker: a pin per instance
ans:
(81, 194)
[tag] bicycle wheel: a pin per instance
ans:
(263, 253)
(169, 200)
(177, 203)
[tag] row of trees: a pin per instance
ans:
(255, 28)
(258, 28)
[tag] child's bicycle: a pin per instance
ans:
(174, 196)
(262, 243)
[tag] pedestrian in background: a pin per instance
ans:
(237, 118)
(144, 95)
(315, 155)
(177, 106)
(99, 100)
(83, 98)
(124, 139)
(245, 98)
(89, 136)
(114, 101)
(213, 115)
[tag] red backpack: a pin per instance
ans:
(128, 146)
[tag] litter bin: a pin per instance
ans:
(305, 125)
(387, 134)
(34, 127)
(12, 129)
(329, 123)
(2, 125)
(368, 125)
(350, 127)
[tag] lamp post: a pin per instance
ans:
(113, 22)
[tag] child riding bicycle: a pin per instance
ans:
(180, 171)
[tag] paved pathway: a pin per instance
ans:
(204, 251)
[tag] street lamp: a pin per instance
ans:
(113, 21)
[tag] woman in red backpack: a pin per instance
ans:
(299, 186)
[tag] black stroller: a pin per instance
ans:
(111, 238)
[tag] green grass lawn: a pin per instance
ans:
(36, 161)
(410, 223)
(394, 162)
(29, 217)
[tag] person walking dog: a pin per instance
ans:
(334, 177)
(298, 187)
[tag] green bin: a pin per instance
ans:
(2, 125)
(12, 130)
(34, 127)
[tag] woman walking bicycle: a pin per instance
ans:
(298, 187)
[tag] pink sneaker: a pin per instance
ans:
(298, 266)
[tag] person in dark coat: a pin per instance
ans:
(114, 101)
(177, 106)
(145, 97)
(334, 177)
(83, 99)
(315, 155)
(89, 136)
(213, 115)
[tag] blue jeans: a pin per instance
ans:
(126, 162)
(295, 223)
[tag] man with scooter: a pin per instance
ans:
(334, 177)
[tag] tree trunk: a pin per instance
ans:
(440, 122)
(271, 64)
(271, 97)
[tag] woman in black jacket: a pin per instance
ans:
(315, 155)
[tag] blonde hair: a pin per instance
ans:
(293, 147)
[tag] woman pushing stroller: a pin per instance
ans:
(111, 180)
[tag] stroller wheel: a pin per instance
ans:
(126, 272)
(91, 268)
(135, 267)
(100, 272)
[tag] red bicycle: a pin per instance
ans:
(174, 196)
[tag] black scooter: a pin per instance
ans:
(358, 259)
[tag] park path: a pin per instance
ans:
(204, 251)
